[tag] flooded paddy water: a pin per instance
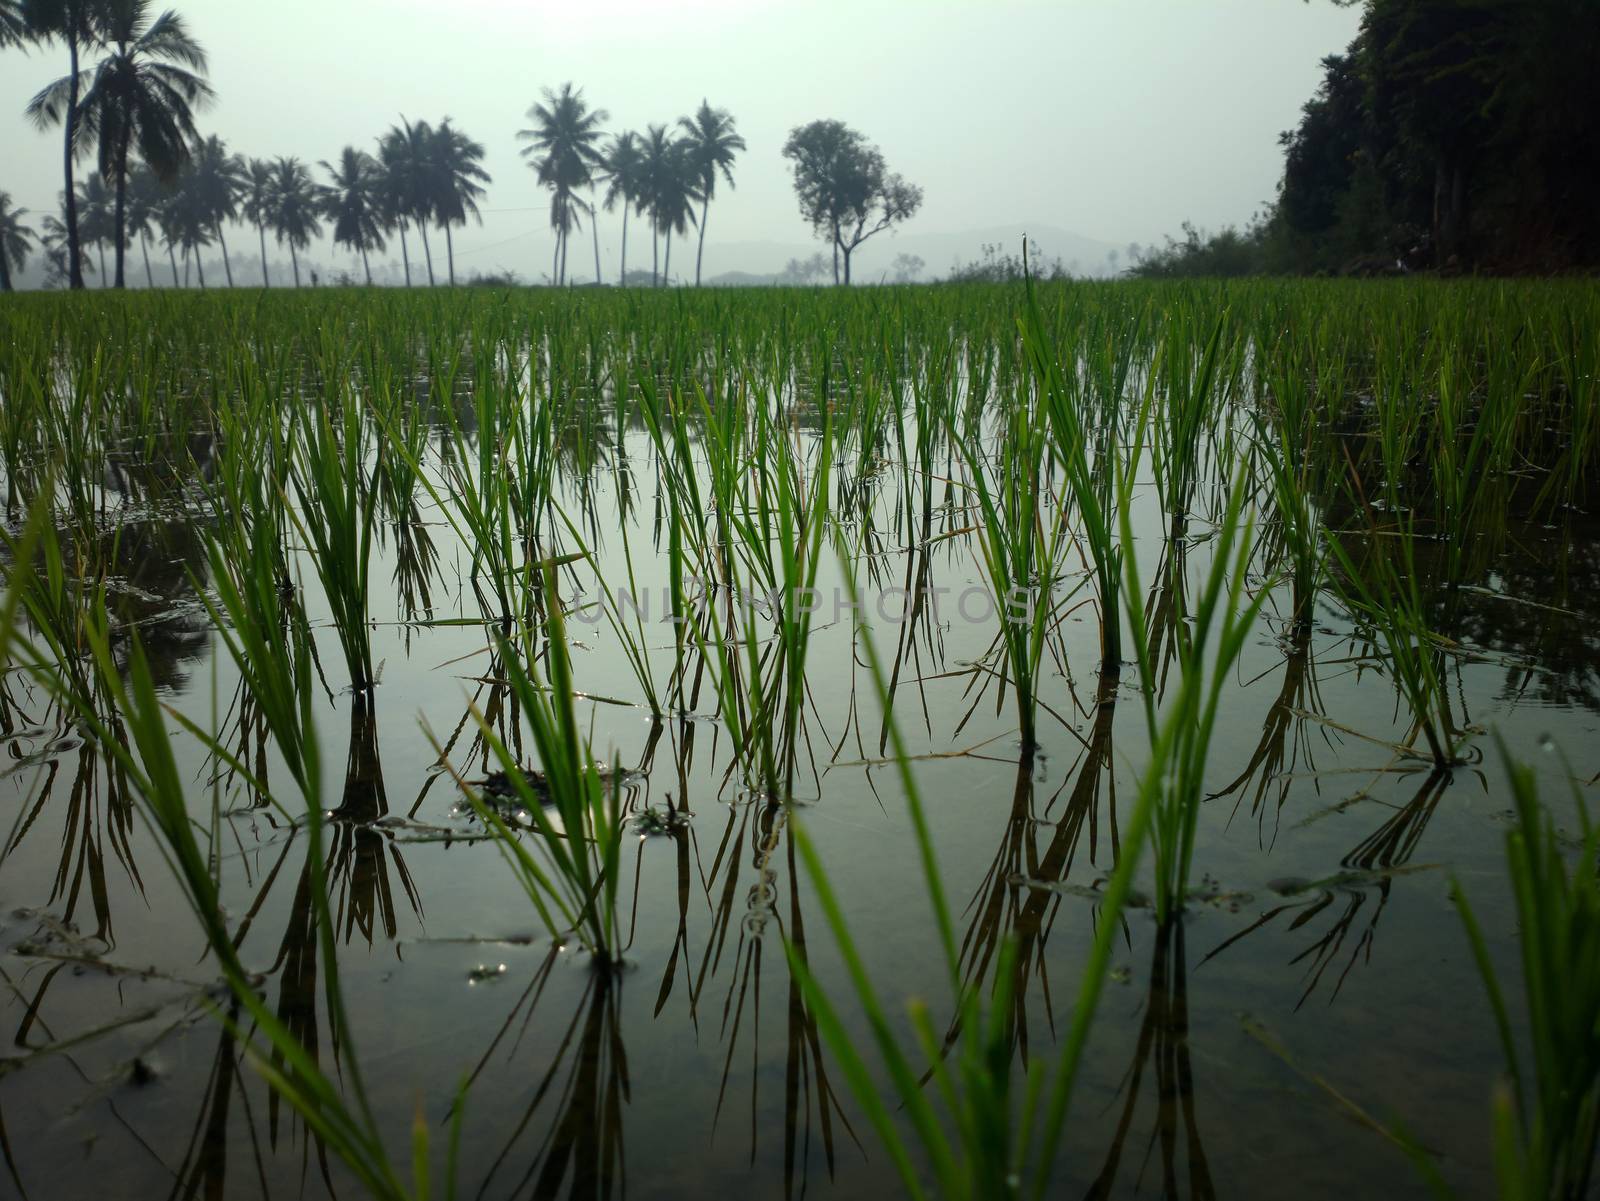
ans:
(1352, 516)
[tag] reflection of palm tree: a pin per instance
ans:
(564, 148)
(711, 144)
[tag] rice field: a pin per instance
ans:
(957, 741)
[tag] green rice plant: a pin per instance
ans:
(1089, 455)
(1547, 1120)
(1206, 649)
(337, 515)
(573, 805)
(1294, 453)
(980, 1131)
(1021, 551)
(1385, 588)
(1187, 392)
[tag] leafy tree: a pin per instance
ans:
(711, 145)
(623, 171)
(354, 204)
(143, 93)
(406, 153)
(217, 179)
(68, 22)
(295, 202)
(845, 189)
(16, 238)
(563, 146)
(256, 197)
(456, 173)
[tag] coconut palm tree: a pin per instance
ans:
(56, 242)
(15, 240)
(564, 148)
(655, 165)
(295, 202)
(673, 195)
(217, 179)
(256, 195)
(13, 24)
(711, 144)
(354, 204)
(188, 225)
(394, 188)
(456, 171)
(622, 169)
(166, 215)
(66, 21)
(96, 220)
(406, 154)
(144, 201)
(143, 94)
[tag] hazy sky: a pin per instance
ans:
(1116, 119)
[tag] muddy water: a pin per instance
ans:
(1318, 979)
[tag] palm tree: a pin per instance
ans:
(144, 201)
(406, 154)
(456, 172)
(96, 222)
(67, 21)
(711, 144)
(143, 93)
(56, 242)
(565, 148)
(673, 194)
(166, 215)
(295, 202)
(394, 186)
(257, 207)
(218, 179)
(355, 205)
(13, 23)
(15, 238)
(623, 167)
(188, 224)
(655, 165)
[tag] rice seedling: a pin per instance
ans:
(338, 506)
(1546, 1121)
(1206, 650)
(981, 1132)
(572, 803)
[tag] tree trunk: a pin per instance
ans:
(100, 250)
(622, 275)
(426, 249)
(700, 253)
(74, 266)
(295, 259)
(367, 266)
(121, 224)
(199, 268)
(836, 256)
(655, 256)
(666, 262)
(173, 255)
(594, 228)
(5, 270)
(405, 254)
(450, 251)
(223, 242)
(555, 262)
(144, 249)
(266, 281)
(566, 240)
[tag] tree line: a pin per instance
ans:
(1458, 135)
(136, 81)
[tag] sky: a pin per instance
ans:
(1114, 119)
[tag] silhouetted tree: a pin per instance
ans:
(711, 145)
(623, 172)
(188, 224)
(455, 169)
(256, 198)
(143, 94)
(674, 191)
(846, 191)
(96, 221)
(13, 24)
(564, 147)
(56, 244)
(293, 206)
(354, 204)
(144, 197)
(16, 239)
(406, 152)
(216, 179)
(68, 22)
